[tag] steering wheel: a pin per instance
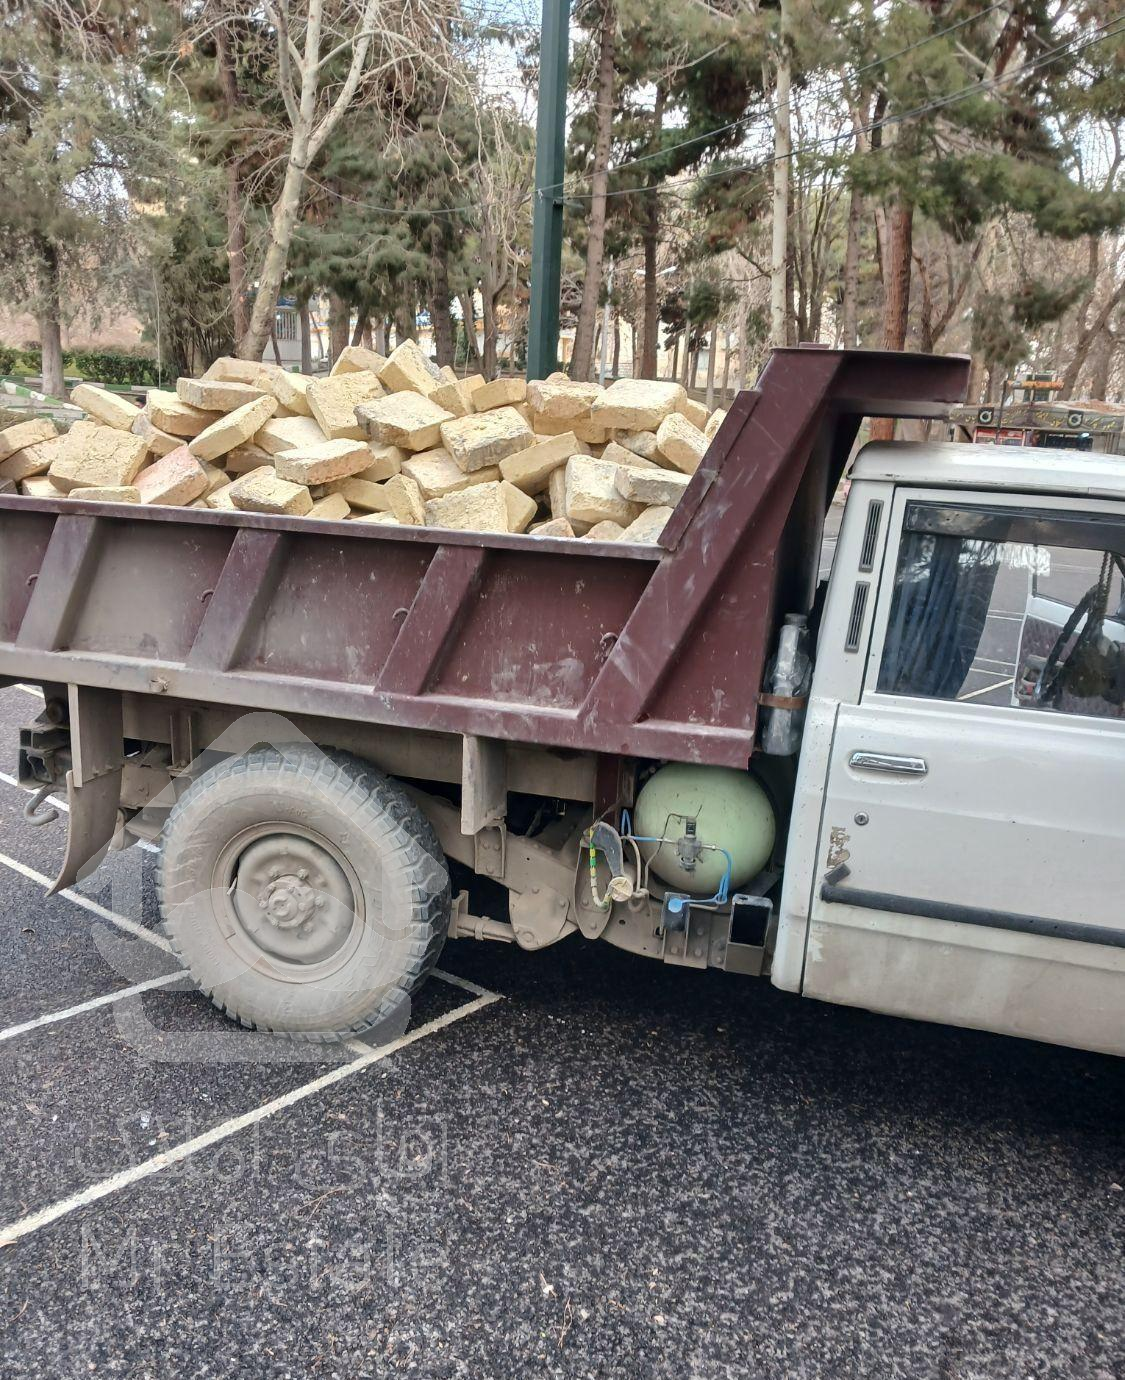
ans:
(1050, 678)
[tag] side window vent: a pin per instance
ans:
(871, 534)
(855, 621)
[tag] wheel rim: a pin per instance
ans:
(291, 902)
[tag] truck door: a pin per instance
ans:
(971, 860)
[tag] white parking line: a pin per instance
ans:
(80, 1010)
(121, 921)
(127, 1177)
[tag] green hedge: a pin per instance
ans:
(104, 366)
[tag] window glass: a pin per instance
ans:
(1018, 609)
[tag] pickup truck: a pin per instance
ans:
(896, 783)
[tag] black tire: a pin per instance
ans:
(305, 892)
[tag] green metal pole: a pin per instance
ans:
(547, 225)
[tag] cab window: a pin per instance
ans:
(1009, 607)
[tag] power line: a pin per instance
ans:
(785, 105)
(1099, 35)
(939, 103)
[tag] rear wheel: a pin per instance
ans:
(305, 892)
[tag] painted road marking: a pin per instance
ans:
(14, 1231)
(107, 1000)
(121, 921)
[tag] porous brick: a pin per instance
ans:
(331, 508)
(486, 438)
(681, 443)
(521, 508)
(358, 359)
(714, 422)
(695, 412)
(409, 370)
(176, 478)
(217, 395)
(291, 391)
(158, 442)
(39, 486)
(235, 429)
(530, 469)
(479, 508)
(605, 531)
(118, 493)
(261, 491)
(642, 443)
(221, 500)
(556, 496)
(378, 519)
(385, 462)
(436, 473)
(637, 404)
(243, 459)
(648, 526)
(28, 433)
(556, 527)
(288, 433)
(323, 463)
(663, 487)
(361, 493)
(405, 499)
(618, 455)
(166, 412)
(407, 420)
(588, 429)
(34, 459)
(591, 492)
(562, 399)
(499, 393)
(468, 387)
(99, 457)
(450, 396)
(228, 369)
(333, 402)
(104, 406)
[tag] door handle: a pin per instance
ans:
(889, 763)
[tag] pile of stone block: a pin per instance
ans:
(392, 440)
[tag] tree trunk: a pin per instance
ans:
(615, 366)
(252, 343)
(440, 314)
(306, 335)
(782, 149)
(710, 396)
(339, 320)
(1087, 338)
(743, 343)
(896, 292)
(406, 320)
(381, 336)
(50, 322)
(582, 356)
(726, 364)
(235, 211)
(469, 321)
(491, 334)
(360, 329)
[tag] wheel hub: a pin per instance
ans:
(292, 899)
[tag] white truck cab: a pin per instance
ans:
(957, 843)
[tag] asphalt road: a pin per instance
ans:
(614, 1169)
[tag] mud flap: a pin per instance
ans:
(93, 785)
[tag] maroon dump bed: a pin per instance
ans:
(648, 651)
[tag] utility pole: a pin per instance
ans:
(782, 149)
(547, 223)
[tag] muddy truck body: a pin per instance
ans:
(894, 782)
